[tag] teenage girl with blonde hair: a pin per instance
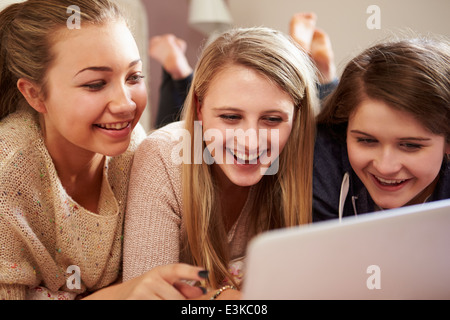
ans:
(205, 211)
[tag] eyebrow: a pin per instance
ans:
(401, 139)
(226, 109)
(233, 109)
(105, 68)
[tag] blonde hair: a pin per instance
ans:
(28, 31)
(283, 199)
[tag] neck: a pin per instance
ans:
(84, 170)
(81, 174)
(83, 181)
(231, 197)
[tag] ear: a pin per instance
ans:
(31, 92)
(198, 107)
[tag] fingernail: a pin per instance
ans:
(203, 274)
(203, 290)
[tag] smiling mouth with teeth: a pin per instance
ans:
(393, 182)
(113, 126)
(245, 158)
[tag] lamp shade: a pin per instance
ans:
(209, 16)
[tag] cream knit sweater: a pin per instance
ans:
(154, 223)
(42, 230)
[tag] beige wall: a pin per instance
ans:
(168, 16)
(345, 20)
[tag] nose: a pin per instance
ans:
(121, 101)
(387, 162)
(248, 136)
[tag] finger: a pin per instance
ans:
(180, 271)
(189, 291)
(157, 288)
(170, 292)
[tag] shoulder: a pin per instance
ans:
(329, 168)
(18, 131)
(329, 153)
(171, 132)
(21, 145)
(442, 190)
(165, 143)
(156, 172)
(27, 172)
(159, 156)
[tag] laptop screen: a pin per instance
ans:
(401, 253)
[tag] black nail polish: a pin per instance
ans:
(203, 274)
(203, 290)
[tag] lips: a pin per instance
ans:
(116, 131)
(389, 184)
(114, 126)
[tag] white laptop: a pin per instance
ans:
(401, 253)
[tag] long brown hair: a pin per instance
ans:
(283, 199)
(411, 75)
(27, 33)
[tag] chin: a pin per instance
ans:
(389, 203)
(114, 152)
(245, 181)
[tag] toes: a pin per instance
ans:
(302, 26)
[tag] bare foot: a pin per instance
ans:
(302, 28)
(322, 54)
(170, 51)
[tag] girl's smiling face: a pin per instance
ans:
(396, 158)
(95, 93)
(246, 123)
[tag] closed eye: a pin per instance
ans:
(95, 86)
(411, 146)
(230, 117)
(136, 78)
(273, 120)
(366, 140)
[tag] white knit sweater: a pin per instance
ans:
(43, 231)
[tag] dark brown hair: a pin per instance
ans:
(411, 75)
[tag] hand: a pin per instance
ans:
(160, 283)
